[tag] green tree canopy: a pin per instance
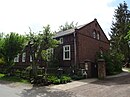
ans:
(39, 43)
(67, 26)
(119, 29)
(13, 44)
(1, 43)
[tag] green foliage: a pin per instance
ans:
(2, 62)
(67, 26)
(2, 75)
(65, 79)
(57, 80)
(53, 79)
(114, 62)
(77, 77)
(119, 29)
(127, 37)
(12, 78)
(1, 44)
(40, 44)
(12, 45)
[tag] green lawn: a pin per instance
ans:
(12, 79)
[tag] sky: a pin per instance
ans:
(19, 15)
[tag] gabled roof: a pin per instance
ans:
(62, 33)
(69, 31)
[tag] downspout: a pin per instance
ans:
(75, 51)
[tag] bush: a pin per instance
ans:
(55, 80)
(52, 78)
(65, 79)
(118, 61)
(113, 62)
(2, 62)
(12, 78)
(77, 77)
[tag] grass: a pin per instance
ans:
(12, 79)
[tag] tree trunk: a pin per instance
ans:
(34, 68)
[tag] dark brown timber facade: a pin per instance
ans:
(76, 46)
(81, 44)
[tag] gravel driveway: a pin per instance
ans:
(110, 87)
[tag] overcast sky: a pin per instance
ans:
(19, 15)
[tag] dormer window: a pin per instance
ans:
(94, 34)
(61, 40)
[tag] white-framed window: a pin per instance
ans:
(31, 58)
(61, 40)
(23, 57)
(94, 34)
(16, 59)
(66, 52)
(50, 53)
(98, 36)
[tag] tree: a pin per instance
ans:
(67, 26)
(1, 43)
(39, 44)
(119, 29)
(13, 44)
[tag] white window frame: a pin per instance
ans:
(31, 58)
(50, 51)
(94, 34)
(24, 57)
(64, 51)
(16, 59)
(61, 40)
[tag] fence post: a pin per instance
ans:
(88, 68)
(101, 69)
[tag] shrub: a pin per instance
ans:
(113, 62)
(77, 77)
(2, 62)
(65, 79)
(55, 80)
(118, 60)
